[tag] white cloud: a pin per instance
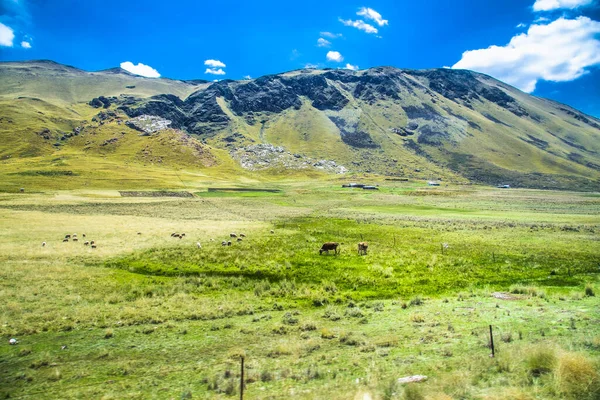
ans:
(323, 42)
(334, 56)
(549, 5)
(331, 35)
(214, 71)
(559, 51)
(25, 45)
(6, 36)
(360, 25)
(352, 67)
(373, 15)
(521, 25)
(247, 77)
(214, 63)
(140, 69)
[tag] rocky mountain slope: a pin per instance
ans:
(430, 124)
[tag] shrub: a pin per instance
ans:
(589, 291)
(417, 318)
(576, 377)
(416, 301)
(413, 392)
(266, 376)
(540, 360)
(327, 334)
(308, 326)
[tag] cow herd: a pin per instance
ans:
(325, 248)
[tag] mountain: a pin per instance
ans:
(454, 125)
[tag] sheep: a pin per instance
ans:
(182, 235)
(174, 234)
(272, 231)
(242, 235)
(228, 243)
(13, 341)
(67, 236)
(232, 235)
(223, 243)
(139, 233)
(239, 239)
(65, 240)
(86, 243)
(75, 239)
(93, 246)
(92, 243)
(198, 245)
(83, 235)
(43, 244)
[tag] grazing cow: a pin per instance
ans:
(239, 239)
(228, 243)
(65, 240)
(43, 244)
(362, 248)
(223, 243)
(329, 246)
(86, 243)
(233, 235)
(198, 245)
(242, 235)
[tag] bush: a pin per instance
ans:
(589, 291)
(416, 301)
(576, 377)
(417, 318)
(413, 392)
(541, 360)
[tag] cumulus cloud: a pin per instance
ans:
(352, 67)
(549, 5)
(214, 63)
(559, 51)
(25, 45)
(140, 69)
(331, 35)
(214, 71)
(323, 42)
(373, 15)
(334, 56)
(360, 25)
(6, 36)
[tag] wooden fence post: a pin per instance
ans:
(492, 342)
(242, 379)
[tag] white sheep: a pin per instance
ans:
(43, 244)
(198, 245)
(13, 341)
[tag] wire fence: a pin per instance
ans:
(498, 333)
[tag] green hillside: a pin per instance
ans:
(63, 126)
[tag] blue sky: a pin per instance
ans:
(550, 48)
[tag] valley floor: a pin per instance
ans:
(148, 315)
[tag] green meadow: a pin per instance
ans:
(148, 315)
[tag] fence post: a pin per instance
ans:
(242, 379)
(492, 342)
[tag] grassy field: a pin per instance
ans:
(146, 315)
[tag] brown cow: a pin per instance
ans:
(362, 248)
(329, 246)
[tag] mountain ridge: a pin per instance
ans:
(457, 124)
